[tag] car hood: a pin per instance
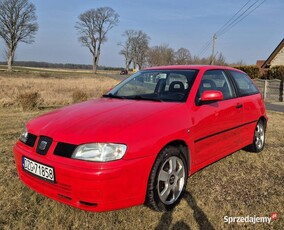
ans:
(96, 120)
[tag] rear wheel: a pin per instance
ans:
(259, 138)
(167, 180)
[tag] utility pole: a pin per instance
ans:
(213, 49)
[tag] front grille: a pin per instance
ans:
(43, 145)
(31, 139)
(64, 149)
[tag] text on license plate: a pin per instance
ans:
(38, 169)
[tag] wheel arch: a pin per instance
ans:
(184, 148)
(264, 120)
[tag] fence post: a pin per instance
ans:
(265, 89)
(281, 90)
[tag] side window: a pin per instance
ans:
(244, 83)
(216, 80)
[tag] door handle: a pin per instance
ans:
(239, 106)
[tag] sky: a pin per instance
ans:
(183, 23)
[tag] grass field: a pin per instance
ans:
(55, 88)
(241, 184)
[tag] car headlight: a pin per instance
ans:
(24, 135)
(101, 152)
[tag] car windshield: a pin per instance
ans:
(156, 85)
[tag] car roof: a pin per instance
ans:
(194, 67)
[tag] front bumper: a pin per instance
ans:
(88, 185)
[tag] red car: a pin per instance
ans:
(140, 141)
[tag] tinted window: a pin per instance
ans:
(244, 83)
(216, 80)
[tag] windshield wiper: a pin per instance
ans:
(110, 95)
(137, 97)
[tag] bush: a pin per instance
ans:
(79, 96)
(29, 100)
(252, 70)
(276, 72)
(45, 75)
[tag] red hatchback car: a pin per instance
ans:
(140, 141)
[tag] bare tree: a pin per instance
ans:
(182, 56)
(17, 24)
(220, 60)
(161, 55)
(127, 47)
(139, 48)
(135, 48)
(201, 61)
(238, 63)
(93, 26)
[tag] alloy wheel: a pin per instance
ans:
(171, 179)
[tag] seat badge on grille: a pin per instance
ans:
(42, 145)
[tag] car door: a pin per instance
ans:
(251, 99)
(216, 123)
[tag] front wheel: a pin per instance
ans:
(259, 138)
(167, 180)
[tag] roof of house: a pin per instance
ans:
(266, 64)
(259, 63)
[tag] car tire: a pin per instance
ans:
(258, 139)
(167, 180)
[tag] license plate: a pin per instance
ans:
(43, 171)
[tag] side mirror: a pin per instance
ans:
(211, 96)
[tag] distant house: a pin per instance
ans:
(259, 63)
(276, 58)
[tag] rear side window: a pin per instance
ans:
(244, 83)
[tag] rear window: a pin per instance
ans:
(244, 83)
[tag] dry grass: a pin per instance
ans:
(54, 89)
(241, 184)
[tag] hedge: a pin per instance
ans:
(252, 70)
(276, 72)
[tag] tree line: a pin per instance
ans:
(136, 51)
(18, 23)
(39, 64)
